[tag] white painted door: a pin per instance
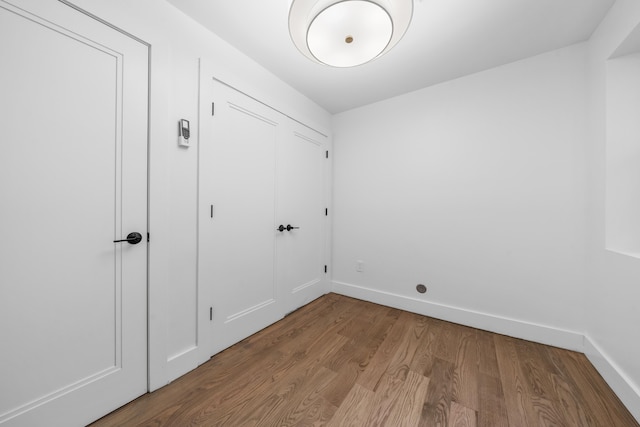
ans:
(237, 176)
(259, 170)
(301, 203)
(73, 169)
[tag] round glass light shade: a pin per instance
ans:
(349, 33)
(346, 33)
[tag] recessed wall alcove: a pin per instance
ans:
(623, 148)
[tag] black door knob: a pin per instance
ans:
(281, 228)
(133, 238)
(289, 227)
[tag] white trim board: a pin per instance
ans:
(624, 388)
(501, 325)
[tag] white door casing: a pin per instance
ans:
(73, 178)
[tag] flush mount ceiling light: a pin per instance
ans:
(346, 33)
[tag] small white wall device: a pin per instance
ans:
(183, 133)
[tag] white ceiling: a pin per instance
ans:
(446, 39)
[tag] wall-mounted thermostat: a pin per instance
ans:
(183, 133)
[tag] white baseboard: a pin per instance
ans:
(181, 363)
(502, 325)
(624, 388)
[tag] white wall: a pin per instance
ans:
(613, 288)
(476, 188)
(177, 43)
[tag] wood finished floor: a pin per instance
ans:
(344, 362)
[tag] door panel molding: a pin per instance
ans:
(305, 286)
(308, 139)
(251, 113)
(57, 394)
(249, 310)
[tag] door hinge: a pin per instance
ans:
(210, 313)
(213, 108)
(326, 211)
(148, 236)
(327, 154)
(325, 268)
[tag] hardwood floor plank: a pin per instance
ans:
(400, 362)
(380, 361)
(355, 408)
(343, 362)
(408, 411)
(304, 354)
(398, 401)
(466, 370)
(422, 362)
(352, 367)
(345, 380)
(571, 395)
(461, 416)
(446, 344)
(574, 412)
(437, 404)
(487, 362)
(538, 371)
(353, 358)
(362, 346)
(209, 404)
(302, 361)
(290, 401)
(517, 399)
(312, 411)
(492, 411)
(385, 399)
(357, 325)
(331, 313)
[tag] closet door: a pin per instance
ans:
(73, 178)
(237, 176)
(260, 171)
(301, 204)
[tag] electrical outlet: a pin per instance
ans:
(359, 266)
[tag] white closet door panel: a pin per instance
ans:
(301, 203)
(237, 207)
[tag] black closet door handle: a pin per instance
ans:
(289, 227)
(132, 238)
